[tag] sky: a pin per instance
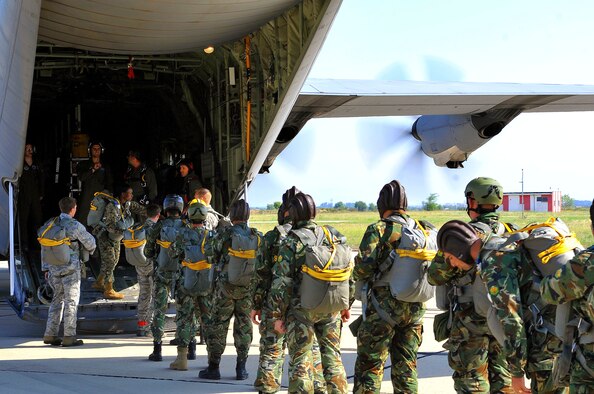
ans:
(505, 41)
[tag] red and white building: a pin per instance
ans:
(532, 201)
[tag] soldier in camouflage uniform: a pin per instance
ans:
(508, 275)
(376, 337)
(173, 206)
(474, 354)
(191, 307)
(573, 283)
(116, 219)
(65, 279)
(272, 343)
(229, 300)
(302, 325)
(145, 278)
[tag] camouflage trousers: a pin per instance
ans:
(109, 251)
(302, 328)
(145, 291)
(162, 287)
(580, 381)
(191, 310)
(476, 357)
(376, 339)
(272, 357)
(543, 348)
(223, 308)
(66, 286)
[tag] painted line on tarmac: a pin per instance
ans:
(130, 377)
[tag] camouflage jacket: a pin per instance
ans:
(573, 282)
(112, 218)
(440, 272)
(79, 237)
(218, 253)
(508, 277)
(262, 279)
(287, 276)
(379, 240)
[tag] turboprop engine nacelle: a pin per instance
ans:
(450, 139)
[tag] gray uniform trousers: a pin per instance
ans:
(145, 292)
(66, 285)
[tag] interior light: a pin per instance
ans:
(209, 49)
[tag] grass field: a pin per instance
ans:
(353, 224)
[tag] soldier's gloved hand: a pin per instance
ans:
(256, 316)
(279, 326)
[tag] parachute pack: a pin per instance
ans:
(97, 208)
(242, 257)
(326, 272)
(196, 268)
(550, 245)
(134, 242)
(55, 245)
(405, 270)
(166, 261)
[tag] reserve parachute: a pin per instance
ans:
(134, 242)
(326, 272)
(55, 245)
(166, 260)
(196, 268)
(406, 270)
(242, 256)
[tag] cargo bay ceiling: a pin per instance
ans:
(230, 107)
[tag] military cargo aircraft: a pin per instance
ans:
(222, 83)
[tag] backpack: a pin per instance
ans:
(196, 268)
(242, 257)
(166, 260)
(55, 245)
(326, 271)
(97, 208)
(406, 272)
(134, 242)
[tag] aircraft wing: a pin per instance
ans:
(328, 98)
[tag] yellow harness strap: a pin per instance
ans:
(418, 254)
(51, 242)
(196, 266)
(325, 274)
(564, 243)
(242, 254)
(507, 228)
(133, 243)
(164, 244)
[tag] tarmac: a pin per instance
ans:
(114, 364)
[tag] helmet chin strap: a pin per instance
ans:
(479, 210)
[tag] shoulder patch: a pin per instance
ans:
(558, 273)
(493, 290)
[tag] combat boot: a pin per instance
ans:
(174, 342)
(99, 284)
(110, 293)
(72, 341)
(156, 354)
(240, 371)
(181, 362)
(192, 349)
(52, 340)
(212, 372)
